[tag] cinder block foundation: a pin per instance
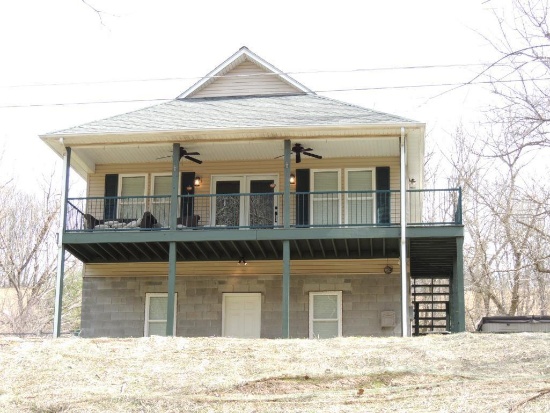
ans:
(115, 306)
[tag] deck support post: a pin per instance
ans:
(171, 289)
(403, 240)
(61, 248)
(172, 248)
(458, 316)
(286, 244)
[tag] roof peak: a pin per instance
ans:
(244, 53)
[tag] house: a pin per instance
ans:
(249, 206)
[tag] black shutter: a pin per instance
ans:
(302, 200)
(111, 190)
(187, 203)
(383, 198)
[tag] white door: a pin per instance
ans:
(242, 313)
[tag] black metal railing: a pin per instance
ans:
(265, 210)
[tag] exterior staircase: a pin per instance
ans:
(431, 305)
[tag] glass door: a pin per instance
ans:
(244, 201)
(227, 207)
(261, 203)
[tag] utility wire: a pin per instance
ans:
(480, 82)
(162, 79)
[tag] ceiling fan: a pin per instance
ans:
(299, 150)
(186, 155)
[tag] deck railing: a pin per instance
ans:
(265, 210)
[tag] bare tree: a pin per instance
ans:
(521, 75)
(28, 259)
(503, 256)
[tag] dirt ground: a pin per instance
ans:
(455, 373)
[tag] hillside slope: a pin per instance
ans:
(457, 373)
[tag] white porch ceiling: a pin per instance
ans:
(241, 150)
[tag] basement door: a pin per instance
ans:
(241, 315)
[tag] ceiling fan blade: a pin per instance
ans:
(191, 153)
(193, 159)
(313, 155)
(298, 157)
(163, 157)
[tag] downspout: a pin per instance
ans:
(61, 248)
(286, 244)
(403, 249)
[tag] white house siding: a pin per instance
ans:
(115, 306)
(96, 182)
(246, 79)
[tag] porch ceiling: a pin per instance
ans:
(232, 250)
(239, 150)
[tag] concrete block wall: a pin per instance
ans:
(115, 306)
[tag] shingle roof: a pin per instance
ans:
(236, 113)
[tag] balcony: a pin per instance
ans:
(218, 212)
(224, 227)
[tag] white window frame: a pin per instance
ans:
(346, 177)
(312, 199)
(147, 305)
(244, 181)
(339, 310)
(225, 295)
(145, 190)
(152, 190)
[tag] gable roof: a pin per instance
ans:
(191, 113)
(242, 55)
(238, 113)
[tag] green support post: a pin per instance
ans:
(171, 289)
(286, 289)
(286, 244)
(172, 248)
(61, 248)
(458, 313)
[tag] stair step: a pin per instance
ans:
(431, 305)
(432, 311)
(431, 302)
(430, 325)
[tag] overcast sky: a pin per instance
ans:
(56, 53)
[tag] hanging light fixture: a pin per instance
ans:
(242, 261)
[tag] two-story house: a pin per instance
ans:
(249, 206)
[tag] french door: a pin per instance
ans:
(244, 201)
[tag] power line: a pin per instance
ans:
(163, 79)
(30, 105)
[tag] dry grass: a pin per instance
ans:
(457, 373)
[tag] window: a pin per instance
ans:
(325, 314)
(360, 198)
(160, 204)
(156, 308)
(132, 190)
(326, 204)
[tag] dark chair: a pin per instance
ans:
(189, 220)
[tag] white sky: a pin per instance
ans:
(64, 41)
